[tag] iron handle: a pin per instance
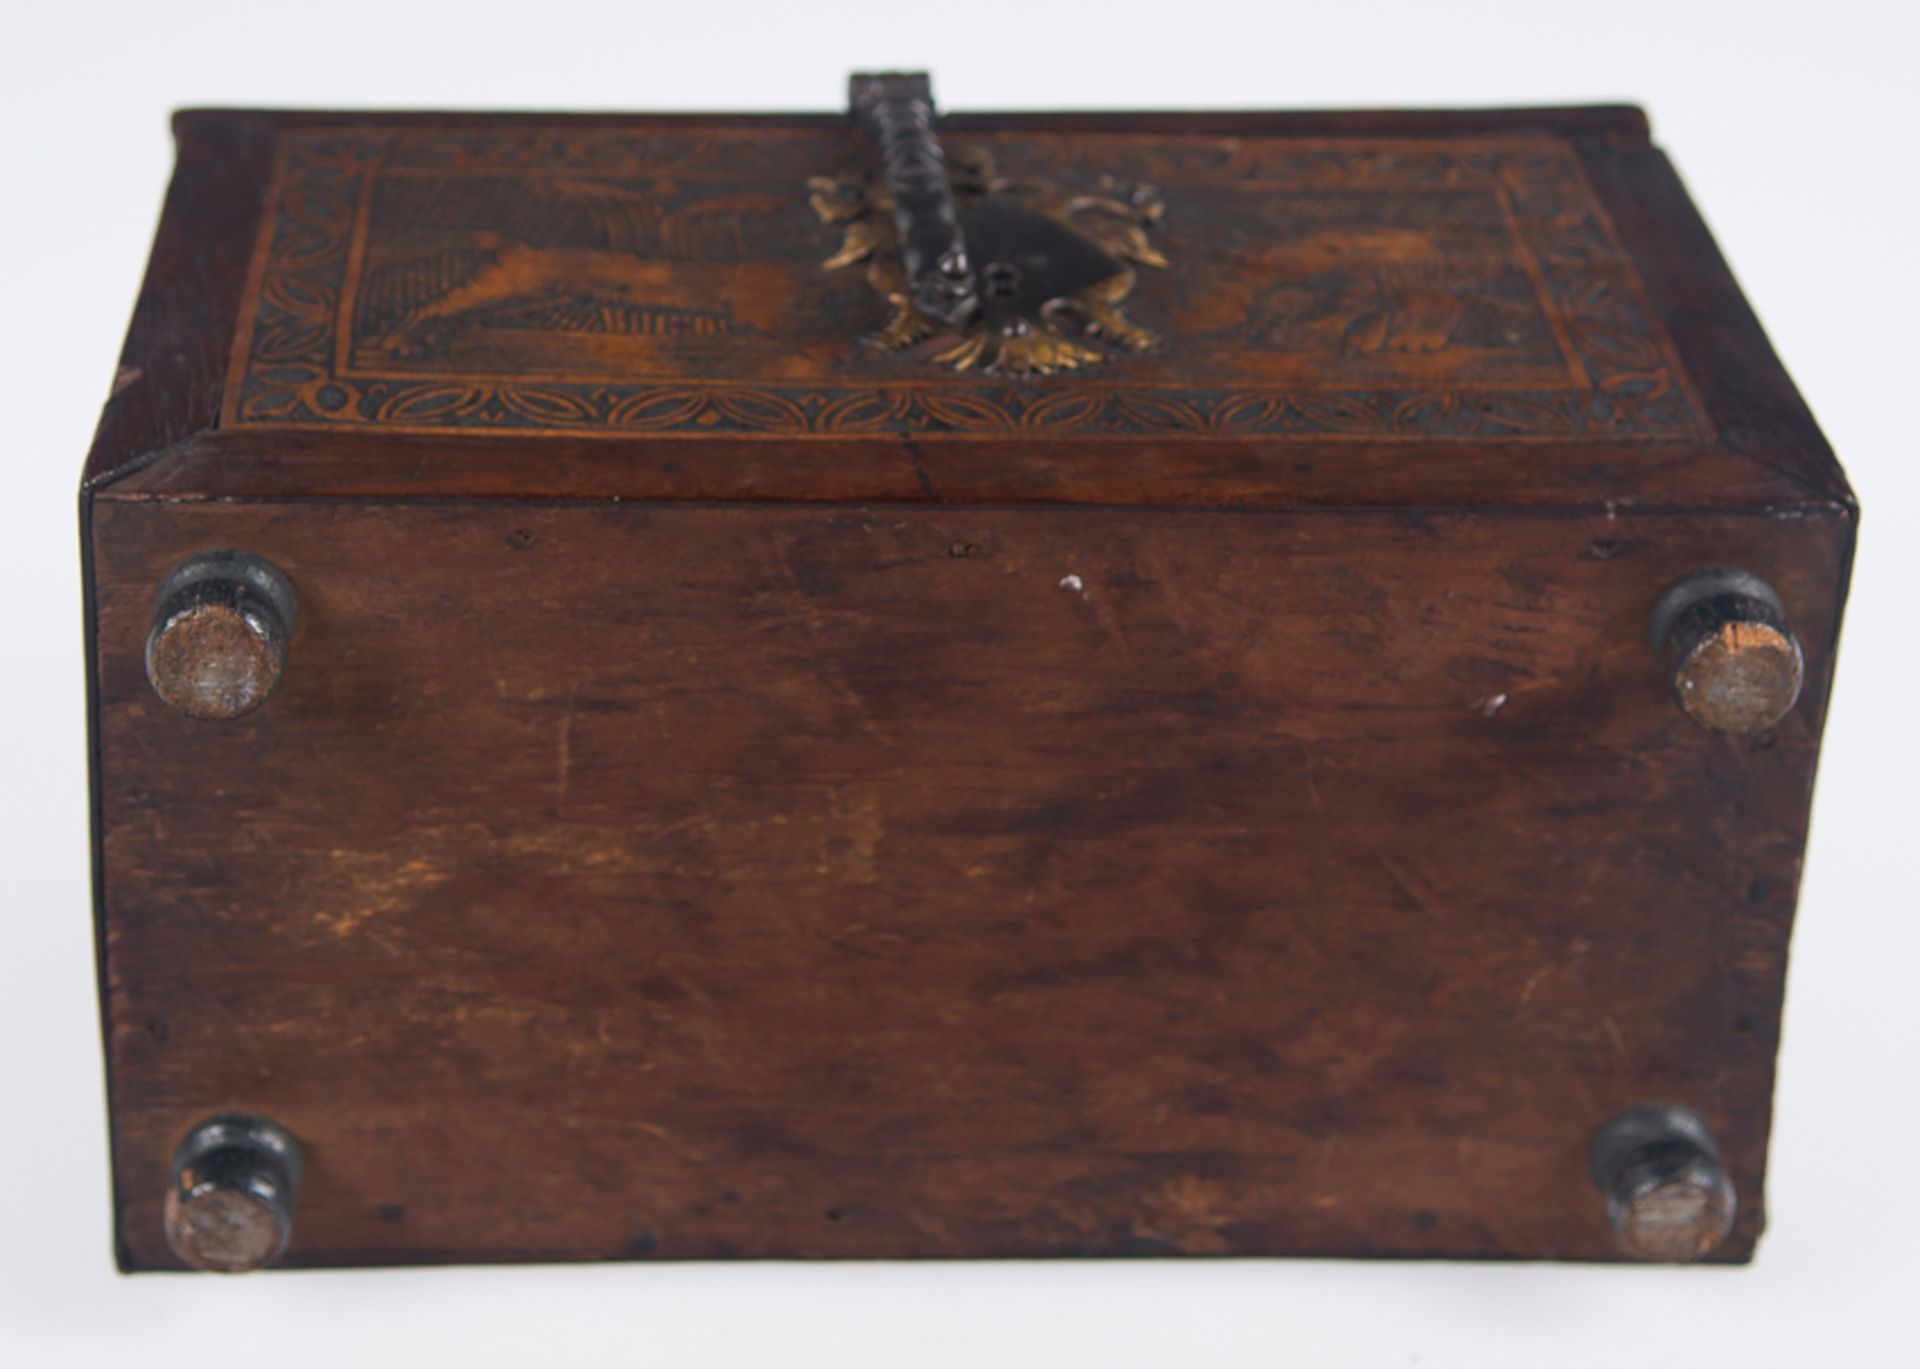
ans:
(897, 109)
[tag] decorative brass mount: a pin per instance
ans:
(1004, 275)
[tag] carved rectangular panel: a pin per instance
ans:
(599, 281)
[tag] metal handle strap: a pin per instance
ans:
(897, 109)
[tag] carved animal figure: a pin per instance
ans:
(646, 278)
(509, 271)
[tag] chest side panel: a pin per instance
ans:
(678, 881)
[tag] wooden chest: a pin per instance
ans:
(687, 687)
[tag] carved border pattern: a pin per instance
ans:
(286, 373)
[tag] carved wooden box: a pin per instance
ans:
(1267, 708)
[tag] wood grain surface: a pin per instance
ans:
(689, 881)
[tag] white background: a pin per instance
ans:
(1793, 125)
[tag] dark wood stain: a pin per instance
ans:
(575, 885)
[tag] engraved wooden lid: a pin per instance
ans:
(1295, 310)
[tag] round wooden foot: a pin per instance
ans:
(1730, 658)
(229, 1205)
(221, 624)
(1658, 1170)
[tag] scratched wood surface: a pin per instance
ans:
(865, 882)
(948, 836)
